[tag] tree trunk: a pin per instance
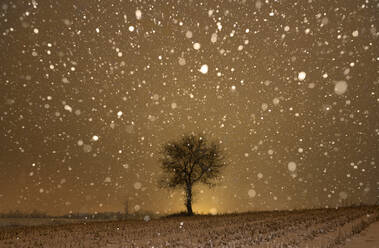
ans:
(126, 205)
(189, 199)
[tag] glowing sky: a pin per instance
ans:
(91, 90)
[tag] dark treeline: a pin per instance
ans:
(19, 214)
(85, 216)
(135, 216)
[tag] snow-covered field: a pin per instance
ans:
(308, 228)
(368, 238)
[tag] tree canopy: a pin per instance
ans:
(191, 160)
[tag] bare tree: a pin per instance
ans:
(189, 161)
(126, 208)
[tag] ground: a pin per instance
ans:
(368, 238)
(315, 228)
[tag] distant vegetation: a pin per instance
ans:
(19, 214)
(84, 216)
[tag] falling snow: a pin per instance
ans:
(291, 166)
(301, 76)
(340, 87)
(204, 69)
(91, 92)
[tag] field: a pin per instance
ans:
(368, 238)
(307, 228)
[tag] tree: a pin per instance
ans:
(189, 161)
(126, 208)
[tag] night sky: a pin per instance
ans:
(90, 91)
